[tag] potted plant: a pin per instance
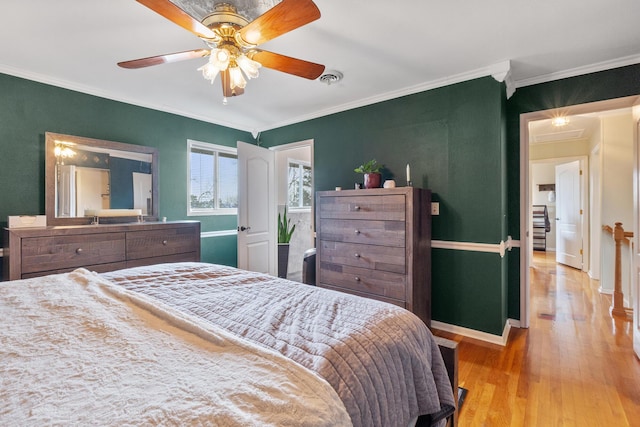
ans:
(285, 230)
(371, 171)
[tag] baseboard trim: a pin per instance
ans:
(478, 335)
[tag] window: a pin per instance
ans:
(299, 181)
(213, 179)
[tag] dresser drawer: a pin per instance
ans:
(158, 243)
(381, 283)
(68, 252)
(399, 303)
(384, 258)
(98, 268)
(181, 257)
(389, 207)
(384, 233)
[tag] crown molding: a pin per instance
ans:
(500, 71)
(573, 72)
(410, 90)
(90, 90)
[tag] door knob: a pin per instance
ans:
(243, 228)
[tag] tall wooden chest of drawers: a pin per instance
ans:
(376, 243)
(32, 252)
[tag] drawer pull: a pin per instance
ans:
(357, 279)
(357, 231)
(357, 255)
(356, 207)
(79, 251)
(164, 242)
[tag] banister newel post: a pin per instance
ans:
(618, 297)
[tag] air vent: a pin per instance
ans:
(330, 77)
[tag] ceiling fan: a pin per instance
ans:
(232, 42)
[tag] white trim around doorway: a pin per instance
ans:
(525, 279)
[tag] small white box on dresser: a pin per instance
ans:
(27, 221)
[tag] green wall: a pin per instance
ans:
(29, 109)
(462, 142)
(454, 140)
(610, 84)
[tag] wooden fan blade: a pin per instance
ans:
(286, 64)
(178, 16)
(164, 59)
(226, 85)
(280, 19)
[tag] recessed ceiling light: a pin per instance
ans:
(560, 121)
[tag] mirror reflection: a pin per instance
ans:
(94, 178)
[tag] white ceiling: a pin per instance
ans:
(384, 49)
(578, 128)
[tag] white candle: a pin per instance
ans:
(408, 173)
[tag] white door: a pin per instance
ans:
(568, 215)
(257, 224)
(88, 180)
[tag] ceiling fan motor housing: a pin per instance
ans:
(224, 13)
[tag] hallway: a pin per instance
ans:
(574, 366)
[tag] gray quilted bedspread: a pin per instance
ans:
(381, 359)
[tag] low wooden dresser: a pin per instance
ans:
(376, 243)
(32, 252)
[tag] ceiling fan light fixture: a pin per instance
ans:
(220, 58)
(237, 79)
(209, 71)
(218, 61)
(232, 39)
(249, 66)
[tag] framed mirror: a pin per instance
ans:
(89, 178)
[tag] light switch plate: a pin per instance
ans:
(435, 208)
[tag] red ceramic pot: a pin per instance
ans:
(372, 180)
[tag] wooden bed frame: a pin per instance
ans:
(449, 351)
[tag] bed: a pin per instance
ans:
(203, 344)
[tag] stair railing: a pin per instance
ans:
(620, 237)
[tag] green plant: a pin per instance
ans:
(371, 166)
(285, 229)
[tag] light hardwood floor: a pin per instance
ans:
(574, 366)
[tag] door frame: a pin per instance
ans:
(292, 146)
(525, 197)
(584, 165)
(635, 279)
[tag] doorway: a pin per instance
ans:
(294, 181)
(538, 126)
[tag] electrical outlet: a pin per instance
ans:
(435, 208)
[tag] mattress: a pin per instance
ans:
(380, 359)
(75, 349)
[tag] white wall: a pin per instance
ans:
(572, 148)
(617, 192)
(595, 208)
